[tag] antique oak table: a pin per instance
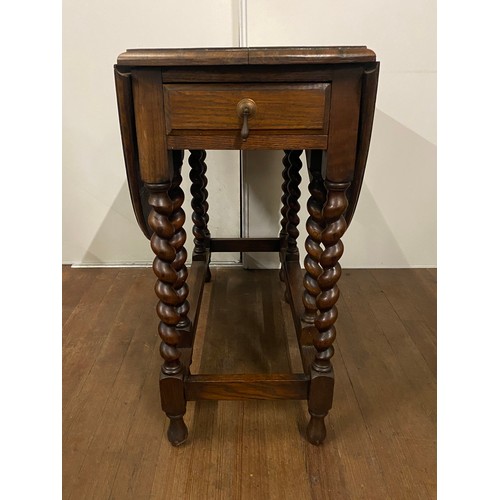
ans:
(317, 99)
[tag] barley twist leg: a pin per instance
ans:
(199, 205)
(163, 220)
(290, 209)
(178, 240)
(322, 375)
(293, 204)
(314, 227)
(284, 208)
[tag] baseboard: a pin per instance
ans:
(83, 265)
(90, 265)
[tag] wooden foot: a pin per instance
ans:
(177, 432)
(173, 403)
(316, 430)
(208, 276)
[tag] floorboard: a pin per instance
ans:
(381, 432)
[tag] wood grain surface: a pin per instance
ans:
(154, 161)
(381, 441)
(277, 106)
(253, 55)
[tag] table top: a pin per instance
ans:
(246, 56)
(188, 99)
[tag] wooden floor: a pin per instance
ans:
(381, 441)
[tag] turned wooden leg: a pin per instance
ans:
(290, 207)
(165, 219)
(284, 200)
(322, 375)
(290, 198)
(199, 205)
(314, 227)
(178, 240)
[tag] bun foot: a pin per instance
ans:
(316, 430)
(177, 431)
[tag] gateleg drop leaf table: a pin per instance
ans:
(315, 99)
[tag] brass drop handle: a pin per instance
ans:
(246, 108)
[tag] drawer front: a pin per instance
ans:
(290, 108)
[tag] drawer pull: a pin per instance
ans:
(246, 108)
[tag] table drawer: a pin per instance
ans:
(290, 108)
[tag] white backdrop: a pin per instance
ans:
(395, 222)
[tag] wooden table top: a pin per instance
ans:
(246, 56)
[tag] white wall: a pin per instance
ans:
(98, 221)
(395, 222)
